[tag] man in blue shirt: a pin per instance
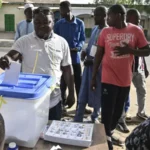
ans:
(73, 30)
(26, 26)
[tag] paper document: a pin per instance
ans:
(93, 51)
(12, 74)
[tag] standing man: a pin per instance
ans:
(86, 95)
(44, 52)
(140, 73)
(26, 26)
(73, 30)
(117, 46)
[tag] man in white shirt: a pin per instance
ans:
(44, 52)
(26, 26)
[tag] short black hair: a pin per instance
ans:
(118, 9)
(101, 8)
(65, 4)
(43, 10)
(132, 12)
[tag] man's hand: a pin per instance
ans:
(70, 100)
(74, 50)
(12, 55)
(93, 84)
(118, 50)
(146, 73)
(83, 55)
(4, 63)
(88, 62)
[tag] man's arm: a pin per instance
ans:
(69, 80)
(145, 68)
(97, 61)
(81, 39)
(12, 55)
(141, 46)
(144, 51)
(68, 73)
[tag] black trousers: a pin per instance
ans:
(55, 112)
(113, 99)
(77, 80)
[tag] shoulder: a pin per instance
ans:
(60, 39)
(60, 21)
(134, 27)
(95, 27)
(26, 38)
(106, 30)
(21, 22)
(79, 21)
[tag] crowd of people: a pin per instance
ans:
(114, 58)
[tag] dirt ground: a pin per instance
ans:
(132, 111)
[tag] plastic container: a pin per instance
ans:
(27, 107)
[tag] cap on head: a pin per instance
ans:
(28, 5)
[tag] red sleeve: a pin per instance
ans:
(101, 39)
(141, 39)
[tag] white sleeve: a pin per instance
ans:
(18, 45)
(66, 61)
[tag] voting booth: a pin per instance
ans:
(25, 107)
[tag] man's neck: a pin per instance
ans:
(102, 25)
(121, 25)
(70, 18)
(28, 20)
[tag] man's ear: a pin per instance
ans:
(119, 15)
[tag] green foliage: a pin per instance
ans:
(141, 5)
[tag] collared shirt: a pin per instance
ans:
(24, 28)
(74, 33)
(52, 54)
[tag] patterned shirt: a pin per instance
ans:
(139, 139)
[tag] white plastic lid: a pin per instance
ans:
(12, 145)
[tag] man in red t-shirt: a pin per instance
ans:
(117, 46)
